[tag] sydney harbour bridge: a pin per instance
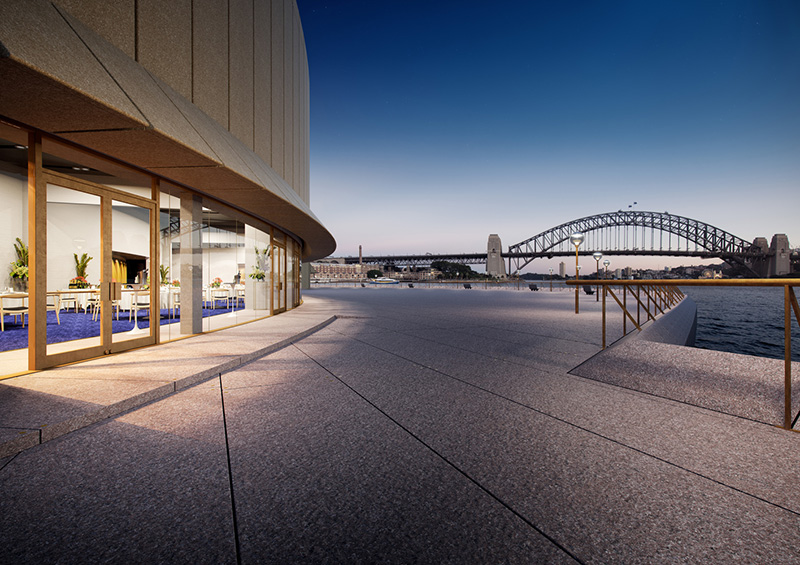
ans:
(631, 232)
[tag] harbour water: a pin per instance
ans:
(746, 320)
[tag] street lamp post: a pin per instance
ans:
(597, 256)
(551, 279)
(576, 239)
(606, 263)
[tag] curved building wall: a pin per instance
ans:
(242, 62)
(244, 141)
(168, 142)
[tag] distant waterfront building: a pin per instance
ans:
(562, 269)
(335, 268)
(618, 274)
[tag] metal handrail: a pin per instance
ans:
(666, 293)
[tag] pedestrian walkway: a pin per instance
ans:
(428, 427)
(41, 406)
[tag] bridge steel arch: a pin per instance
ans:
(714, 241)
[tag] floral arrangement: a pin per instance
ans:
(176, 282)
(19, 268)
(216, 283)
(78, 282)
(258, 274)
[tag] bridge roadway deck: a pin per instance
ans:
(419, 426)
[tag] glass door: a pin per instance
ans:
(279, 278)
(98, 249)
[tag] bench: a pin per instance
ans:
(533, 287)
(467, 285)
(588, 289)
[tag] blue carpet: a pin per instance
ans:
(80, 325)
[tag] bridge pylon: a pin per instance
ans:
(495, 266)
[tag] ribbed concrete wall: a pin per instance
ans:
(242, 62)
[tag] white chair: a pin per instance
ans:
(93, 304)
(221, 293)
(67, 299)
(176, 300)
(139, 302)
(19, 310)
(54, 305)
(96, 305)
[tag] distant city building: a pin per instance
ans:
(335, 268)
(562, 269)
(618, 274)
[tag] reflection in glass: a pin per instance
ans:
(74, 269)
(131, 267)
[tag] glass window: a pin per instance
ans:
(170, 265)
(258, 266)
(13, 249)
(223, 243)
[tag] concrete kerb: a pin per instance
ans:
(31, 437)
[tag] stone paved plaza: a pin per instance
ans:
(420, 426)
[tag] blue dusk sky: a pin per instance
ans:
(437, 122)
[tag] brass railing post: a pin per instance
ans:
(605, 290)
(787, 356)
(624, 309)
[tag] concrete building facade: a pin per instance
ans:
(169, 143)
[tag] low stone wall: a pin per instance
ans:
(678, 326)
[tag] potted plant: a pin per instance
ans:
(164, 272)
(81, 264)
(19, 267)
(216, 283)
(259, 292)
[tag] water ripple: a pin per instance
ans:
(742, 320)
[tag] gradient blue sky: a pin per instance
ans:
(437, 122)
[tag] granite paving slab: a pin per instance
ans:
(150, 486)
(548, 467)
(742, 385)
(63, 399)
(322, 476)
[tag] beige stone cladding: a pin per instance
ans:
(212, 94)
(242, 62)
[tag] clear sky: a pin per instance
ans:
(437, 122)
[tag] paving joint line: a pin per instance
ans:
(597, 434)
(455, 467)
(501, 359)
(49, 432)
(571, 373)
(230, 473)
